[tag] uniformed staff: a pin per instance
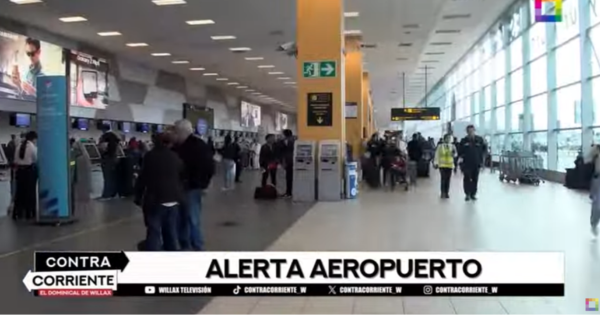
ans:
(472, 150)
(444, 160)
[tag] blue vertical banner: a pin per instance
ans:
(53, 150)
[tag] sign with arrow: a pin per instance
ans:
(319, 109)
(76, 261)
(319, 69)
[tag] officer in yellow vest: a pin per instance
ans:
(444, 161)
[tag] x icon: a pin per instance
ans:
(332, 290)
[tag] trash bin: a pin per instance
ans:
(351, 180)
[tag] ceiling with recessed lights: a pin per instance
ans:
(233, 44)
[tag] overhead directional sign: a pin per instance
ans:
(420, 113)
(319, 69)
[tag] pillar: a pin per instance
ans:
(320, 41)
(366, 87)
(355, 118)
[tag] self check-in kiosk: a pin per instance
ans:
(5, 183)
(91, 151)
(330, 171)
(3, 159)
(304, 171)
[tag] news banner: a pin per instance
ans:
(150, 274)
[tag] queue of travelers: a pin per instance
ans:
(399, 162)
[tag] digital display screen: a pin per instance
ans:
(126, 127)
(22, 120)
(420, 113)
(329, 150)
(304, 151)
(250, 115)
(145, 128)
(159, 128)
(82, 124)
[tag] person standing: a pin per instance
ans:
(444, 161)
(238, 158)
(25, 160)
(456, 145)
(268, 161)
(287, 158)
(159, 191)
(109, 143)
(415, 154)
(199, 169)
(472, 150)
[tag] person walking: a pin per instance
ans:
(25, 160)
(199, 169)
(444, 161)
(229, 156)
(593, 157)
(159, 191)
(472, 150)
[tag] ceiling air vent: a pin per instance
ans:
(402, 59)
(405, 44)
(456, 16)
(368, 46)
(434, 53)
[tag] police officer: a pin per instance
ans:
(472, 150)
(444, 160)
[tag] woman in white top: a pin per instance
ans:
(26, 177)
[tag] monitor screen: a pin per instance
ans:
(82, 124)
(145, 128)
(21, 120)
(92, 150)
(126, 127)
(101, 123)
(415, 113)
(158, 128)
(250, 115)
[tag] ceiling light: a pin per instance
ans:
(256, 93)
(222, 79)
(434, 53)
(290, 83)
(275, 73)
(266, 66)
(196, 69)
(429, 61)
(161, 54)
(240, 49)
(211, 75)
(284, 78)
(180, 62)
(25, 1)
(456, 16)
(222, 37)
(242, 87)
(440, 43)
(110, 34)
(351, 14)
(410, 26)
(73, 19)
(137, 44)
(352, 32)
(447, 31)
(250, 90)
(168, 2)
(200, 22)
(254, 58)
(233, 83)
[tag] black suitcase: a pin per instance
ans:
(423, 168)
(372, 175)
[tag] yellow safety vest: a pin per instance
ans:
(445, 158)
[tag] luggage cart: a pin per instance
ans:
(520, 167)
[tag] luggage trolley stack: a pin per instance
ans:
(521, 167)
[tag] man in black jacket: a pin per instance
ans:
(471, 150)
(287, 158)
(268, 161)
(199, 167)
(159, 191)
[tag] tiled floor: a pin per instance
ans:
(118, 225)
(505, 218)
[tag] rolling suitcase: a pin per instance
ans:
(423, 168)
(268, 192)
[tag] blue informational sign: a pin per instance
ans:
(351, 180)
(53, 149)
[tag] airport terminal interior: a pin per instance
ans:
(524, 74)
